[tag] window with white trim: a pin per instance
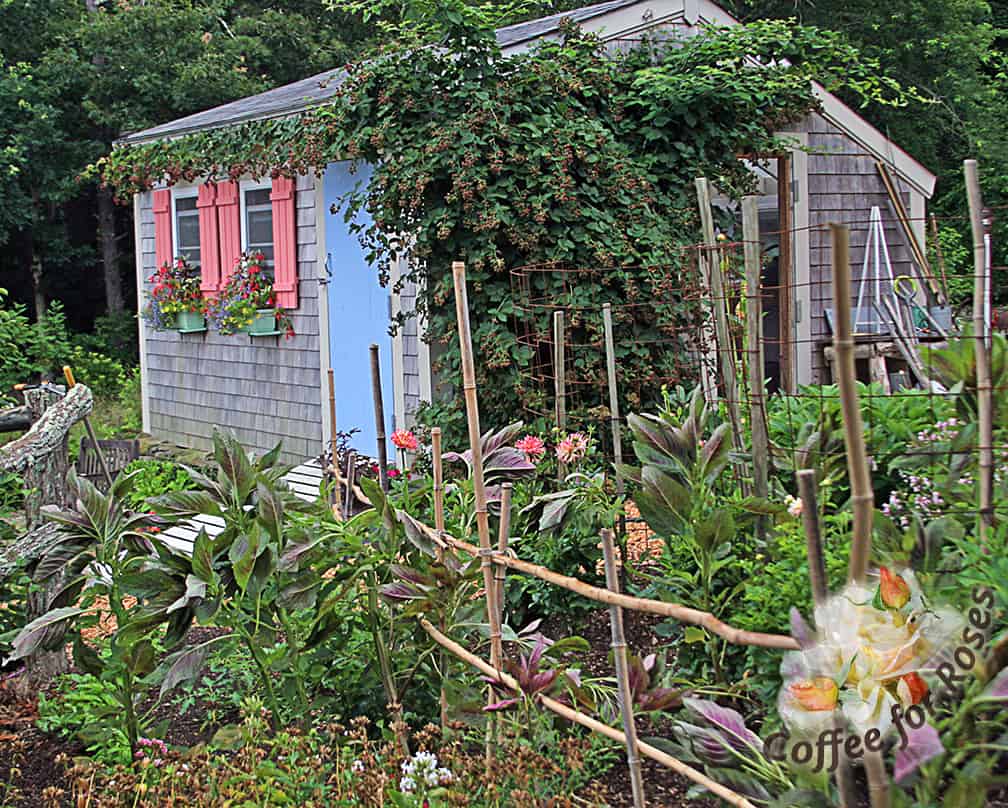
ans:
(257, 221)
(185, 223)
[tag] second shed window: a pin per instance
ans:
(257, 222)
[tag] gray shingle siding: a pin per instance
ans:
(266, 389)
(844, 185)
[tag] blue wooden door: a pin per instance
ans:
(359, 313)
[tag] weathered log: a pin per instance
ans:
(15, 419)
(40, 456)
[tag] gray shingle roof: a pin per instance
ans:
(317, 89)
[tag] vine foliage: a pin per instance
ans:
(572, 152)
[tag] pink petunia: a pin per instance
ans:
(533, 447)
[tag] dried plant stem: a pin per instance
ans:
(754, 350)
(623, 692)
(569, 713)
(674, 610)
(862, 498)
(982, 358)
(614, 409)
(485, 552)
(878, 780)
(379, 413)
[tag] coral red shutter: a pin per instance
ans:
(229, 227)
(210, 274)
(162, 227)
(285, 275)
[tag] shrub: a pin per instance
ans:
(154, 477)
(103, 374)
(29, 350)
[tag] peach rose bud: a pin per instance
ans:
(895, 591)
(911, 689)
(815, 695)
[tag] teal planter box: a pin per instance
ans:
(264, 322)
(190, 321)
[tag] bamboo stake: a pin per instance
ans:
(715, 283)
(623, 692)
(333, 470)
(940, 255)
(677, 611)
(479, 490)
(982, 357)
(813, 534)
(569, 713)
(503, 537)
(820, 591)
(614, 409)
(68, 375)
(754, 342)
(379, 413)
(560, 381)
(439, 526)
(862, 498)
(350, 476)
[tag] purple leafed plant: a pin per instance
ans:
(531, 680)
(647, 696)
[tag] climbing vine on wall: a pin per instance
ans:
(570, 152)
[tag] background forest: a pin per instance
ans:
(77, 73)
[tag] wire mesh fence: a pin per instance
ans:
(913, 349)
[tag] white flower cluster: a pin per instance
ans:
(423, 769)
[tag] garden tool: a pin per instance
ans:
(906, 288)
(68, 375)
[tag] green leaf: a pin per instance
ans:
(243, 554)
(270, 511)
(694, 634)
(86, 658)
(715, 529)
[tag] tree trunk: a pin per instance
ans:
(110, 252)
(37, 290)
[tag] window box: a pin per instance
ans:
(264, 323)
(190, 322)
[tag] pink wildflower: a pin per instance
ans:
(404, 439)
(533, 447)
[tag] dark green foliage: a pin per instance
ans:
(29, 351)
(562, 154)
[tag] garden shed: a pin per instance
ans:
(271, 388)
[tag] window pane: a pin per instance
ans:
(192, 255)
(259, 227)
(258, 197)
(185, 203)
(188, 231)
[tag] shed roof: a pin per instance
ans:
(614, 19)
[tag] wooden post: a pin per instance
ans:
(332, 470)
(623, 692)
(102, 462)
(503, 537)
(476, 447)
(939, 255)
(715, 283)
(862, 498)
(754, 349)
(614, 409)
(379, 414)
(806, 479)
(351, 469)
(985, 436)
